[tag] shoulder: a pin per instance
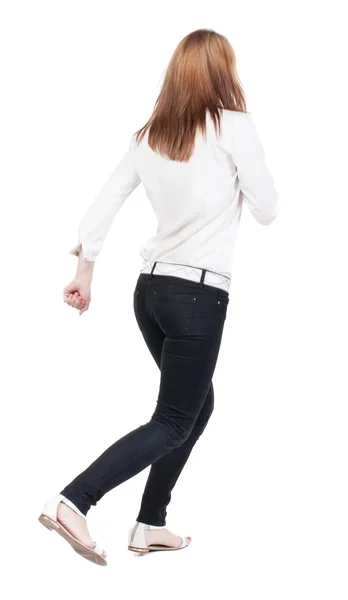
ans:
(238, 129)
(234, 129)
(237, 120)
(133, 142)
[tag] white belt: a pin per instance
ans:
(187, 272)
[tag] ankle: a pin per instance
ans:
(148, 526)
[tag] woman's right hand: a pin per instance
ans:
(78, 293)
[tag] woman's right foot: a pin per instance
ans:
(76, 525)
(144, 538)
(163, 537)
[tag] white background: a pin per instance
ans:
(264, 494)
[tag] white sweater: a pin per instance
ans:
(198, 204)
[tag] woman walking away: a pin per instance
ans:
(199, 158)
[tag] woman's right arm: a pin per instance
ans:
(256, 182)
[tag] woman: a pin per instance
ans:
(199, 158)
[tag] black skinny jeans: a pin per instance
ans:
(182, 323)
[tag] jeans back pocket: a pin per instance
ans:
(174, 310)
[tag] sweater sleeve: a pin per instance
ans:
(99, 216)
(256, 182)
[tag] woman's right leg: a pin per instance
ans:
(187, 365)
(165, 472)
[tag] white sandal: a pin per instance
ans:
(48, 518)
(137, 540)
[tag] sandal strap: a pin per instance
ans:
(72, 505)
(98, 549)
(136, 535)
(51, 508)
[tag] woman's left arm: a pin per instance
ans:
(99, 216)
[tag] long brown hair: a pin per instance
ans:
(201, 76)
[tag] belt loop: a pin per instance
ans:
(202, 277)
(153, 268)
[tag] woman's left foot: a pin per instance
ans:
(62, 516)
(76, 525)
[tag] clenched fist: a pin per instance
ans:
(78, 294)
